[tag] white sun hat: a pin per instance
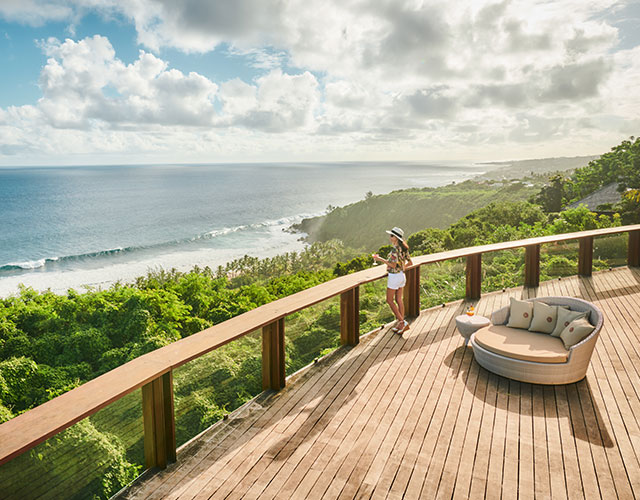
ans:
(397, 232)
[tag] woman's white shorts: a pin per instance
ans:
(396, 280)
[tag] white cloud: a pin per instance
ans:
(78, 76)
(238, 97)
(260, 57)
(277, 102)
(35, 12)
(85, 85)
(284, 102)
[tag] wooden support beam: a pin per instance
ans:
(585, 256)
(273, 358)
(532, 265)
(159, 422)
(350, 317)
(633, 253)
(411, 295)
(474, 276)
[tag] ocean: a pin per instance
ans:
(78, 227)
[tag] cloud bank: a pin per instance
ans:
(400, 79)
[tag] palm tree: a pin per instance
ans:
(633, 195)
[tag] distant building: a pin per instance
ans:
(607, 196)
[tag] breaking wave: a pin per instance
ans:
(284, 222)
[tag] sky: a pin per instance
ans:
(204, 81)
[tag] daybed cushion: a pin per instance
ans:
(520, 313)
(544, 317)
(566, 316)
(576, 331)
(521, 344)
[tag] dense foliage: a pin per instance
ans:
(621, 165)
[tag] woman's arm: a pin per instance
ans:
(384, 261)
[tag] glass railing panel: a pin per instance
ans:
(311, 333)
(374, 310)
(610, 251)
(558, 260)
(94, 458)
(503, 269)
(209, 387)
(442, 282)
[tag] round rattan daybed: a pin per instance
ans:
(536, 372)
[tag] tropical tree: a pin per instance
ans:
(633, 195)
(552, 197)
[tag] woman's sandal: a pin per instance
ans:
(404, 328)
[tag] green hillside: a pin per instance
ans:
(361, 225)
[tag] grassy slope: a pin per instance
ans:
(362, 224)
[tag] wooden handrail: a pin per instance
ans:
(510, 245)
(35, 426)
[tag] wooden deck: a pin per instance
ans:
(417, 417)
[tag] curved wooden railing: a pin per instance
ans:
(153, 372)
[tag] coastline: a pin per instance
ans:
(117, 268)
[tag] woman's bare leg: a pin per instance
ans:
(400, 303)
(394, 308)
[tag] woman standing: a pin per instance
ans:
(396, 261)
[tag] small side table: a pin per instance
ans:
(467, 325)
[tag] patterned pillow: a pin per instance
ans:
(576, 331)
(566, 316)
(520, 313)
(544, 317)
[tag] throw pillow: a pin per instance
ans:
(520, 313)
(566, 316)
(544, 317)
(576, 331)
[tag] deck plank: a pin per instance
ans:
(442, 474)
(332, 447)
(394, 434)
(456, 478)
(374, 451)
(436, 372)
(431, 417)
(417, 417)
(370, 439)
(609, 396)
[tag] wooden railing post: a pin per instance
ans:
(633, 250)
(411, 295)
(474, 276)
(585, 256)
(159, 422)
(273, 367)
(532, 265)
(350, 317)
